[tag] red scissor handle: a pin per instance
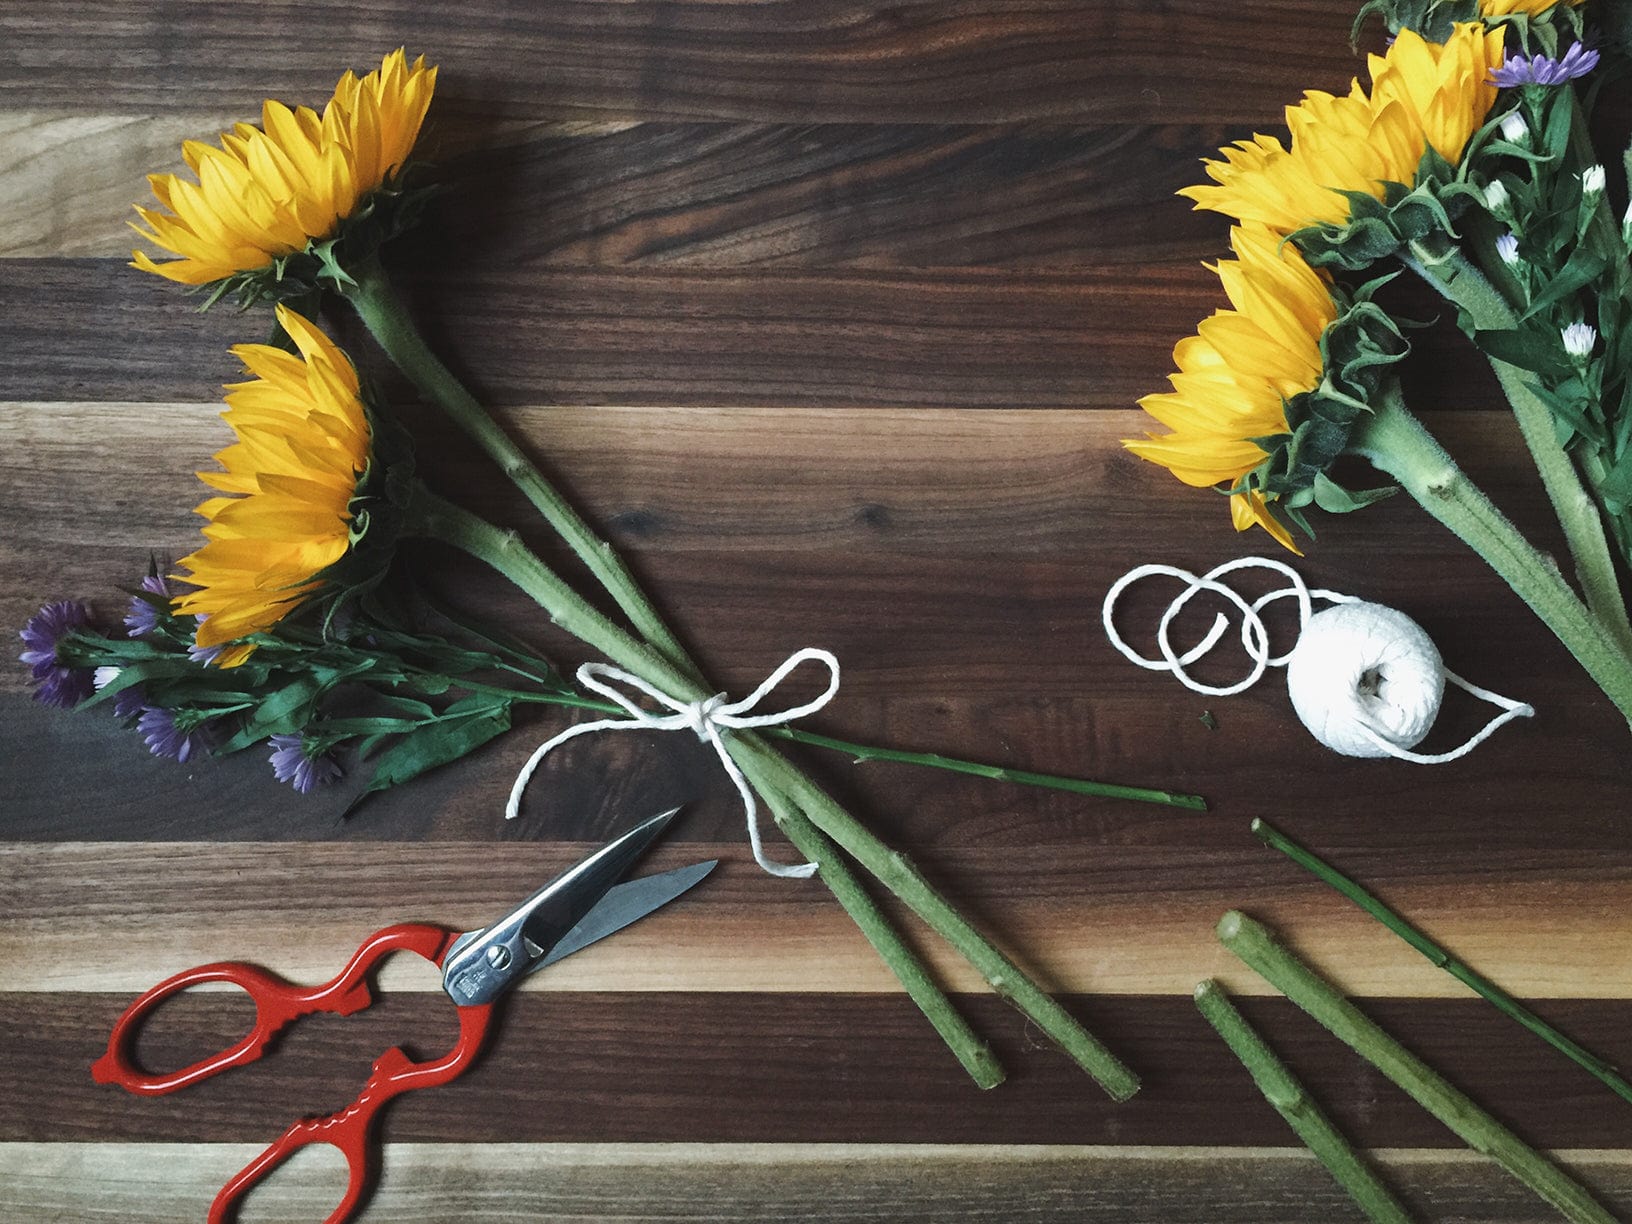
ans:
(348, 1130)
(277, 1003)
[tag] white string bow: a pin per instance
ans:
(707, 718)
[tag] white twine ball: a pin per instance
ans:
(1364, 676)
(1365, 679)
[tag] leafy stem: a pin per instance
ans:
(1396, 443)
(1450, 273)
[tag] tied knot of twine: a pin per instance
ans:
(1365, 679)
(708, 718)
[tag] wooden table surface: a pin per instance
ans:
(830, 315)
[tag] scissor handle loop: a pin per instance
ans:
(348, 1130)
(277, 1003)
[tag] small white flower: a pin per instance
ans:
(1496, 197)
(104, 676)
(1515, 130)
(1507, 246)
(1592, 182)
(1579, 339)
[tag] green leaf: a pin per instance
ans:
(1335, 499)
(284, 712)
(463, 727)
(1584, 267)
(1527, 348)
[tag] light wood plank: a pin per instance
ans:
(118, 917)
(633, 1183)
(73, 178)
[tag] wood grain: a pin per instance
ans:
(813, 1067)
(831, 315)
(822, 61)
(692, 194)
(1566, 934)
(648, 1183)
(1096, 337)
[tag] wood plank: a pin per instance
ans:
(73, 176)
(693, 195)
(803, 1068)
(660, 1183)
(1559, 926)
(804, 61)
(782, 480)
(667, 337)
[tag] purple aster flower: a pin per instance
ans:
(166, 735)
(128, 703)
(292, 763)
(1543, 69)
(143, 616)
(55, 684)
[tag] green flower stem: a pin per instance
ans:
(1449, 271)
(383, 312)
(897, 873)
(1256, 946)
(1397, 444)
(935, 760)
(770, 774)
(1504, 1002)
(930, 760)
(378, 305)
(975, 1055)
(1302, 1113)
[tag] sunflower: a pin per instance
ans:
(1531, 8)
(268, 191)
(1237, 373)
(1423, 95)
(303, 443)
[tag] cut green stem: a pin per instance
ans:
(966, 1045)
(997, 773)
(1303, 1114)
(771, 774)
(1396, 443)
(1504, 1002)
(1256, 946)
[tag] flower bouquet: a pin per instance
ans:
(295, 628)
(1467, 162)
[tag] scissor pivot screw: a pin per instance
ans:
(498, 956)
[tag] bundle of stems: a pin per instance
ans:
(1261, 951)
(822, 830)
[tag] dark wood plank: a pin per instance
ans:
(795, 60)
(924, 338)
(738, 1067)
(835, 196)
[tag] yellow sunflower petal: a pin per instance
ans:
(286, 485)
(266, 192)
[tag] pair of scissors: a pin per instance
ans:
(579, 907)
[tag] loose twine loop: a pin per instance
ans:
(1365, 679)
(707, 718)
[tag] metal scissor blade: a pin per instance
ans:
(483, 964)
(628, 902)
